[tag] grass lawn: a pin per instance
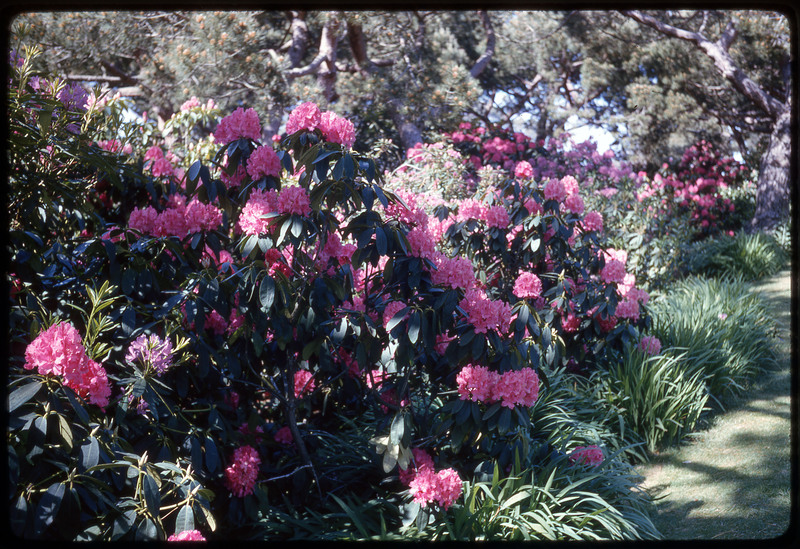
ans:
(732, 480)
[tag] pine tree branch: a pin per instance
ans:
(718, 53)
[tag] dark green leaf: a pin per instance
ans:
(48, 507)
(185, 520)
(23, 394)
(151, 495)
(266, 293)
(90, 453)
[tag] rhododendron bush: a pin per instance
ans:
(243, 326)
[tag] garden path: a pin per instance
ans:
(733, 480)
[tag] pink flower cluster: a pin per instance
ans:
(187, 535)
(497, 216)
(284, 436)
(159, 165)
(59, 351)
(443, 487)
(258, 204)
(422, 460)
(485, 314)
(303, 383)
(294, 200)
(305, 116)
(176, 221)
(650, 345)
(263, 162)
(512, 388)
(613, 271)
(240, 123)
(421, 243)
(523, 170)
(587, 455)
(335, 128)
(240, 476)
(528, 285)
(592, 221)
(456, 272)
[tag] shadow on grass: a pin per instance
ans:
(741, 505)
(717, 497)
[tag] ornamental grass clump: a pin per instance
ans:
(657, 396)
(746, 256)
(720, 327)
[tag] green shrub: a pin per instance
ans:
(750, 256)
(655, 396)
(723, 329)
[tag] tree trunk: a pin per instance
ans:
(774, 192)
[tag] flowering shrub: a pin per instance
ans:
(275, 327)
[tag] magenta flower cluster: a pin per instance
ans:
(587, 455)
(59, 351)
(187, 535)
(485, 314)
(241, 474)
(178, 220)
(512, 388)
(428, 486)
(239, 124)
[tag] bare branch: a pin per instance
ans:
(721, 58)
(486, 57)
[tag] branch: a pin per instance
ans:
(717, 52)
(299, 42)
(488, 53)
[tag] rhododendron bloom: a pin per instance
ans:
(144, 220)
(528, 285)
(587, 455)
(294, 200)
(470, 208)
(574, 203)
(240, 476)
(485, 314)
(201, 217)
(613, 271)
(517, 387)
(422, 460)
(523, 170)
(570, 322)
(443, 487)
(59, 351)
(303, 383)
(650, 345)
(554, 190)
(421, 243)
(593, 221)
(151, 352)
(628, 309)
(497, 217)
(306, 116)
(240, 123)
(259, 204)
(570, 185)
(476, 383)
(337, 129)
(263, 161)
(284, 435)
(457, 272)
(187, 535)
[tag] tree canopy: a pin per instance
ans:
(657, 81)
